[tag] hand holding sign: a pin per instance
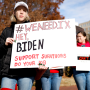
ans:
(41, 67)
(9, 41)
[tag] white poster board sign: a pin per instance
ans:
(52, 43)
(83, 60)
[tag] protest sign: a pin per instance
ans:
(83, 59)
(52, 43)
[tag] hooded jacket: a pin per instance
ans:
(5, 56)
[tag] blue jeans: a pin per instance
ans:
(24, 83)
(51, 83)
(82, 79)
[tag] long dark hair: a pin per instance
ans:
(84, 34)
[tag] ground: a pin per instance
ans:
(67, 81)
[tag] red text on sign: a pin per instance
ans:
(29, 63)
(47, 25)
(17, 64)
(25, 57)
(22, 36)
(83, 58)
(42, 62)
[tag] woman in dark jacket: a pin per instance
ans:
(10, 77)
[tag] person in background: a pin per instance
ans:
(23, 77)
(50, 80)
(82, 78)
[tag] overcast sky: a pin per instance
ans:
(78, 9)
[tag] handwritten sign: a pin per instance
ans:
(52, 43)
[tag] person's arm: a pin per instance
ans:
(5, 41)
(3, 47)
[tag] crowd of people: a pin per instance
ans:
(51, 79)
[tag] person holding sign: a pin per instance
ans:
(24, 77)
(82, 78)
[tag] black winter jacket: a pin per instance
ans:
(5, 57)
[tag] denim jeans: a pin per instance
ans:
(82, 79)
(24, 83)
(51, 83)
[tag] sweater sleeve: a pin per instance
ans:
(3, 47)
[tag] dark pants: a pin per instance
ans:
(38, 84)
